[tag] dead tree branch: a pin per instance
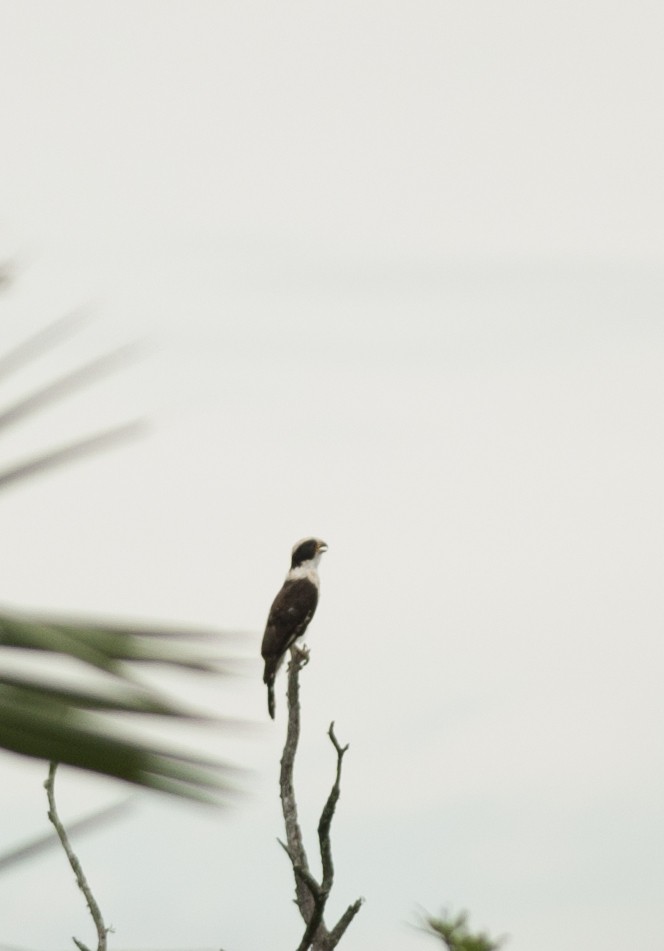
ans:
(311, 895)
(81, 880)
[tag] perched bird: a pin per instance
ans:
(292, 609)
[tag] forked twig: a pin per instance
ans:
(81, 880)
(311, 895)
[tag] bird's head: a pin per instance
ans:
(307, 549)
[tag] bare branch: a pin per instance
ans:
(339, 929)
(81, 880)
(316, 925)
(328, 814)
(296, 850)
(311, 896)
(303, 874)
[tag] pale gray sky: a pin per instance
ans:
(402, 265)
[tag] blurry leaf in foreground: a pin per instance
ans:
(72, 380)
(6, 274)
(35, 465)
(40, 342)
(88, 727)
(43, 843)
(55, 729)
(110, 647)
(79, 726)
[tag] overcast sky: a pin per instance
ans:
(401, 267)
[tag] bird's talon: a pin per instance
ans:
(301, 654)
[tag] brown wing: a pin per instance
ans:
(289, 617)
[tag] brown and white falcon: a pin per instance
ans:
(292, 609)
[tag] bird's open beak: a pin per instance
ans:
(322, 546)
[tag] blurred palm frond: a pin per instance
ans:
(37, 845)
(88, 728)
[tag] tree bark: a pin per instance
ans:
(310, 895)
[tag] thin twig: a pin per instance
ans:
(339, 929)
(81, 880)
(327, 815)
(311, 895)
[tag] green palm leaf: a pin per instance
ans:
(109, 647)
(55, 729)
(92, 728)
